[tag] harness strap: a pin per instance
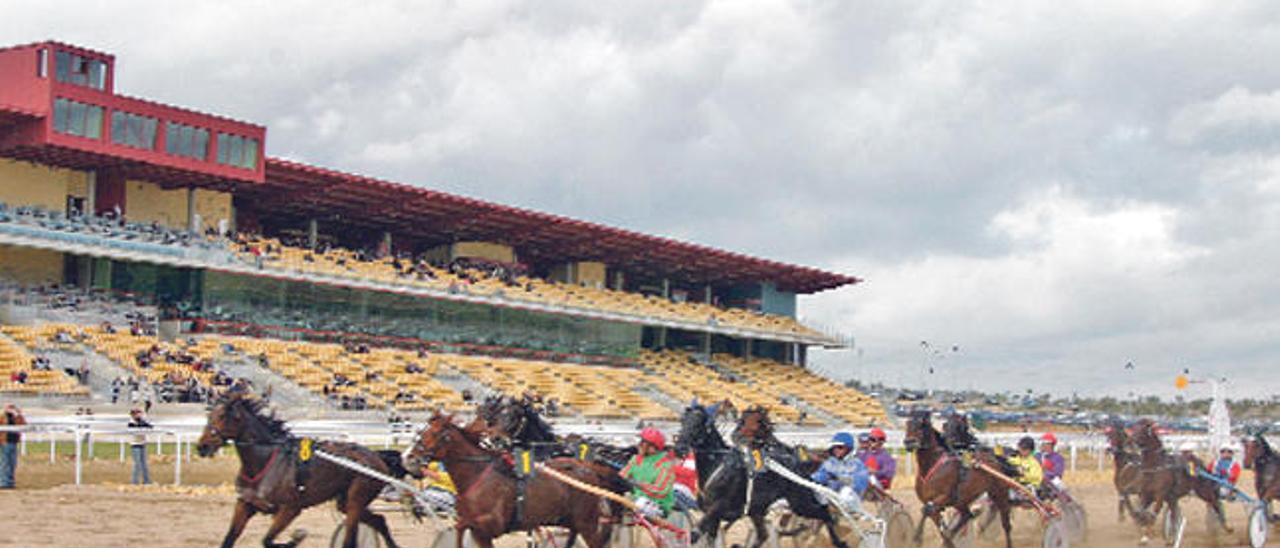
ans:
(253, 481)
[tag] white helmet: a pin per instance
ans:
(1228, 447)
(1187, 446)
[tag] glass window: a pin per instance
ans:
(133, 130)
(82, 71)
(76, 118)
(234, 150)
(188, 141)
(42, 63)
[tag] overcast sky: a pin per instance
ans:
(1055, 190)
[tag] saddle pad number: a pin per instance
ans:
(526, 463)
(304, 449)
(584, 451)
(757, 460)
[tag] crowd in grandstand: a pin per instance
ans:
(111, 224)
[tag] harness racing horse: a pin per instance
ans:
(279, 474)
(1265, 463)
(944, 481)
(755, 432)
(1166, 478)
(1127, 475)
(722, 486)
(518, 422)
(488, 488)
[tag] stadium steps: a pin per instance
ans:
(814, 412)
(655, 394)
(284, 392)
(452, 377)
(101, 369)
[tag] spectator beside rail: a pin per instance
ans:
(9, 446)
(138, 447)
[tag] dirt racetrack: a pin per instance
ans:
(45, 511)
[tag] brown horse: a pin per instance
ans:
(1166, 478)
(278, 477)
(1127, 476)
(1265, 463)
(755, 431)
(945, 481)
(491, 500)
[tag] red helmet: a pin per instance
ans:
(1048, 437)
(877, 434)
(655, 437)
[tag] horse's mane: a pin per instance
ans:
(713, 439)
(256, 409)
(766, 431)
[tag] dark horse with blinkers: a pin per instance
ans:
(1265, 463)
(1165, 478)
(279, 477)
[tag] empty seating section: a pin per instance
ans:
(687, 379)
(593, 391)
(347, 264)
(382, 376)
(833, 398)
(15, 358)
(123, 348)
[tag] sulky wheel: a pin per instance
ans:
(448, 538)
(1258, 526)
(898, 526)
(1170, 523)
(1055, 534)
(1076, 521)
(366, 537)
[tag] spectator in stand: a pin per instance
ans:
(9, 442)
(138, 447)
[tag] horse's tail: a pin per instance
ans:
(394, 463)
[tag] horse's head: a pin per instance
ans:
(438, 441)
(697, 428)
(1145, 435)
(754, 427)
(920, 433)
(956, 429)
(1255, 446)
(1117, 436)
(226, 423)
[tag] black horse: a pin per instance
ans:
(755, 432)
(722, 486)
(518, 423)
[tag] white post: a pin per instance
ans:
(22, 445)
(177, 461)
(1073, 457)
(121, 449)
(159, 446)
(53, 448)
(79, 450)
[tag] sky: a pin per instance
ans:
(1042, 192)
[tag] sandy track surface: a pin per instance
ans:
(45, 512)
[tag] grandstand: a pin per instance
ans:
(357, 293)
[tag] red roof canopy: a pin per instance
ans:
(302, 190)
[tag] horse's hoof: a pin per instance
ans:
(1144, 540)
(298, 535)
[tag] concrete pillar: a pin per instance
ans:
(706, 294)
(193, 218)
(746, 348)
(386, 242)
(706, 344)
(91, 195)
(662, 338)
(666, 288)
(313, 234)
(619, 281)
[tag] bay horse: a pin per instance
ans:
(722, 485)
(755, 432)
(278, 477)
(518, 422)
(1265, 463)
(943, 481)
(1127, 475)
(1166, 478)
(488, 489)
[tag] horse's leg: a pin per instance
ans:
(280, 521)
(762, 527)
(241, 516)
(379, 524)
(835, 534)
(965, 516)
